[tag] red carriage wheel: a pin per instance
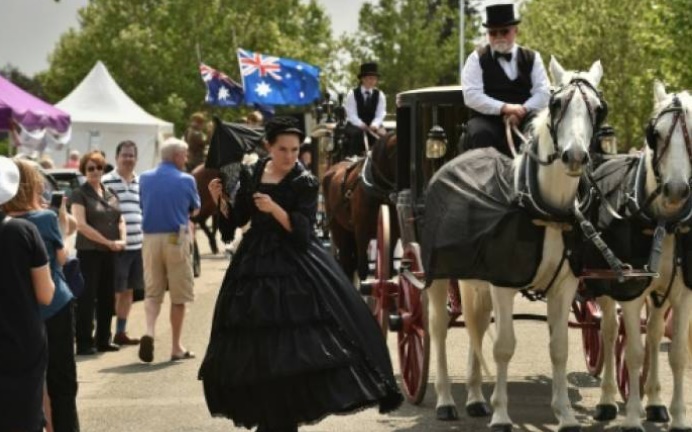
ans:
(588, 314)
(413, 338)
(621, 372)
(381, 293)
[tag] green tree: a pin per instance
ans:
(151, 46)
(632, 39)
(416, 42)
(677, 22)
(18, 78)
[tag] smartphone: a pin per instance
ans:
(56, 200)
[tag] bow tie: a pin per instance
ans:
(499, 55)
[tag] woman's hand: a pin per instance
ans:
(264, 203)
(215, 190)
(116, 245)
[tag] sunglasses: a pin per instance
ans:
(93, 168)
(502, 32)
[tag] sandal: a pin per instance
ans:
(184, 356)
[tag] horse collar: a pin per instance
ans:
(530, 197)
(372, 179)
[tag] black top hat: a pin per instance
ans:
(368, 69)
(500, 15)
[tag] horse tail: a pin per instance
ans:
(471, 301)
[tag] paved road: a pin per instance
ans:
(118, 393)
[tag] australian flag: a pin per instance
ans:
(278, 81)
(221, 90)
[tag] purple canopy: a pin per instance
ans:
(28, 110)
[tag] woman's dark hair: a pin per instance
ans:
(282, 125)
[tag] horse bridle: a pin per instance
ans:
(596, 115)
(677, 110)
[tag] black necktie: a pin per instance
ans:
(499, 55)
(367, 97)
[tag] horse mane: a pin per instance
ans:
(539, 128)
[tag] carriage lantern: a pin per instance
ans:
(436, 145)
(607, 139)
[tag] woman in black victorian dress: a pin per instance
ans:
(291, 341)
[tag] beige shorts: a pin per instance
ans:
(168, 264)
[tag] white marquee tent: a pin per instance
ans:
(104, 115)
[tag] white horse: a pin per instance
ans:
(563, 131)
(668, 162)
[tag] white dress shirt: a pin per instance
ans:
(352, 108)
(474, 92)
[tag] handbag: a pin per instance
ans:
(73, 276)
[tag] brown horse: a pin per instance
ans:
(352, 207)
(207, 209)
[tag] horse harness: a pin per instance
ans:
(529, 198)
(644, 235)
(557, 108)
(639, 207)
(375, 183)
(652, 135)
(565, 220)
(346, 188)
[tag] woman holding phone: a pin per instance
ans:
(61, 376)
(25, 284)
(101, 233)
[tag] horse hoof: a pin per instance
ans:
(478, 409)
(605, 412)
(501, 428)
(657, 414)
(570, 429)
(447, 413)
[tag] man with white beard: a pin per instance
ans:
(501, 80)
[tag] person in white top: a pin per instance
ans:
(365, 107)
(501, 80)
(129, 269)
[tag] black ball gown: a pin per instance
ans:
(292, 341)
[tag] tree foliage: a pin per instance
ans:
(636, 41)
(18, 78)
(151, 46)
(415, 42)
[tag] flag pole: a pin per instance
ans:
(462, 21)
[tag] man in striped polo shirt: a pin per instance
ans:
(129, 272)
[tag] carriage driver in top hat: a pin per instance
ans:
(366, 107)
(502, 80)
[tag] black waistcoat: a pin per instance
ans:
(496, 83)
(366, 112)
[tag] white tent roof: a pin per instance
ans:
(99, 99)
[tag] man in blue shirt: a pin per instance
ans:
(168, 197)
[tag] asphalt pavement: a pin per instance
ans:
(118, 393)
